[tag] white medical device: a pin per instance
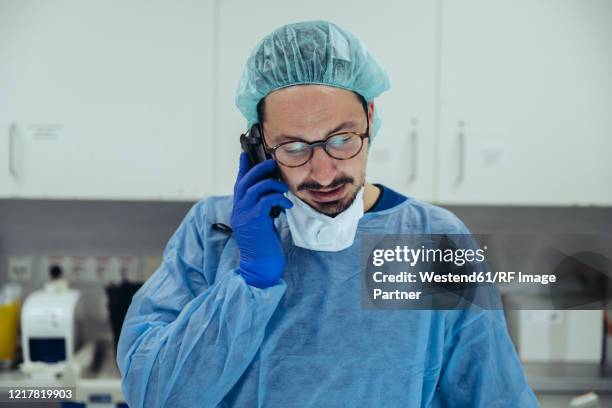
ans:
(49, 329)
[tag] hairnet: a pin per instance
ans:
(310, 52)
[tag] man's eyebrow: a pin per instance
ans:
(343, 125)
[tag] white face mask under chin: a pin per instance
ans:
(313, 230)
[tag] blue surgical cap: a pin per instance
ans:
(310, 52)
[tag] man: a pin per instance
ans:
(268, 313)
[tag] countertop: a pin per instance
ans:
(100, 382)
(574, 378)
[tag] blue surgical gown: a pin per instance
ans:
(196, 335)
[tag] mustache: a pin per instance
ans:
(316, 186)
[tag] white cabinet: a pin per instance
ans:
(401, 34)
(503, 103)
(112, 100)
(6, 162)
(526, 92)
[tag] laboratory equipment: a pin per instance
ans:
(50, 332)
(10, 302)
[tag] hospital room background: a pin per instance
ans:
(117, 116)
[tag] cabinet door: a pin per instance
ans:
(401, 34)
(526, 102)
(7, 140)
(112, 100)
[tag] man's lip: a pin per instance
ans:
(327, 190)
(323, 196)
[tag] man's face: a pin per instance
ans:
(311, 113)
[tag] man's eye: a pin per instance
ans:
(338, 141)
(295, 148)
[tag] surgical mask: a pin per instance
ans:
(313, 230)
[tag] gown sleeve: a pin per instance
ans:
(188, 336)
(481, 367)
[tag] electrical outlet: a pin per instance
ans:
(128, 268)
(150, 264)
(57, 260)
(82, 269)
(20, 268)
(107, 269)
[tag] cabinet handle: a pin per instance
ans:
(12, 136)
(461, 170)
(414, 153)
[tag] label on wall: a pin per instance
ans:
(20, 268)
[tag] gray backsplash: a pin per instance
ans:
(67, 227)
(41, 227)
(45, 227)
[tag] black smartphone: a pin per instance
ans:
(252, 144)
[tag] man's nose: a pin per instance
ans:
(322, 167)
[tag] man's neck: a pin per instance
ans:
(370, 195)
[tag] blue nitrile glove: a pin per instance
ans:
(262, 259)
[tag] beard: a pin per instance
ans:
(333, 208)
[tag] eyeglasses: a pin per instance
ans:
(340, 146)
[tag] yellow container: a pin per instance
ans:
(9, 322)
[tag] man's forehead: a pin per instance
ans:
(311, 112)
(301, 92)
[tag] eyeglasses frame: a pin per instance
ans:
(322, 142)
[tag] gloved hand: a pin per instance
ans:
(262, 259)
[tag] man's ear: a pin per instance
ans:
(371, 114)
(371, 119)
